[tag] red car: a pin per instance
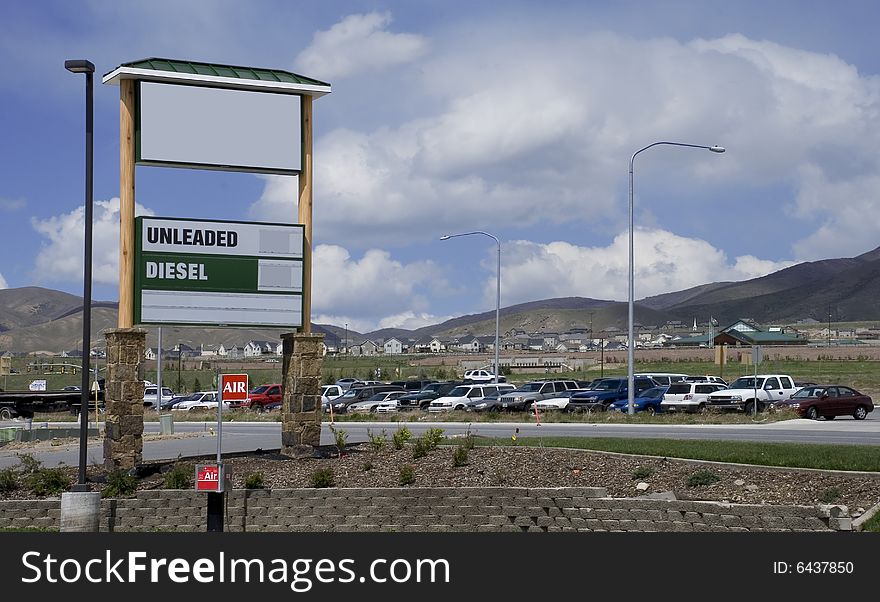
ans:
(828, 401)
(262, 396)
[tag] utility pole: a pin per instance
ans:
(829, 326)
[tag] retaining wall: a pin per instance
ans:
(492, 509)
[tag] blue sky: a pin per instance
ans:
(517, 118)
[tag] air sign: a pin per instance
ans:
(200, 272)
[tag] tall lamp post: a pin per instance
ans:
(497, 292)
(630, 384)
(83, 66)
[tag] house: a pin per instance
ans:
(258, 348)
(5, 363)
(745, 333)
(208, 350)
(561, 348)
(393, 346)
(470, 343)
(234, 352)
(550, 339)
(184, 350)
(535, 344)
(72, 353)
(487, 343)
(366, 347)
(437, 345)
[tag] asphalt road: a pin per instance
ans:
(198, 439)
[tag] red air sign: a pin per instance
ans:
(233, 387)
(209, 477)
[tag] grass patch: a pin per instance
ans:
(642, 472)
(830, 495)
(323, 477)
(407, 475)
(873, 524)
(119, 484)
(793, 455)
(179, 477)
(702, 478)
(254, 481)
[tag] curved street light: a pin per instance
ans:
(630, 384)
(497, 292)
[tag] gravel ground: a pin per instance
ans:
(542, 467)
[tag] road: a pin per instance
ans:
(198, 439)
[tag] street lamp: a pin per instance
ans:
(83, 66)
(630, 339)
(497, 290)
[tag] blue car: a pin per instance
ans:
(646, 401)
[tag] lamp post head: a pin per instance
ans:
(717, 149)
(445, 237)
(79, 66)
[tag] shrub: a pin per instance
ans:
(367, 465)
(119, 484)
(323, 477)
(460, 456)
(407, 475)
(8, 480)
(197, 386)
(830, 495)
(400, 437)
(420, 448)
(47, 481)
(468, 441)
(642, 472)
(703, 477)
(377, 442)
(179, 477)
(29, 464)
(254, 481)
(433, 437)
(341, 437)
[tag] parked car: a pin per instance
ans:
(663, 378)
(412, 385)
(369, 405)
(354, 395)
(388, 406)
(606, 391)
(172, 403)
(150, 396)
(203, 400)
(491, 402)
(750, 393)
(482, 376)
(329, 393)
(647, 401)
(261, 396)
(828, 401)
(346, 383)
(422, 399)
(707, 378)
(527, 394)
(273, 406)
(458, 398)
(689, 396)
(558, 402)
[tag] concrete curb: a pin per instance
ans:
(868, 515)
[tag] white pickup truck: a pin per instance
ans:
(748, 392)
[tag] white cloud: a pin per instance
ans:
(61, 255)
(663, 262)
(514, 129)
(359, 43)
(3, 283)
(372, 290)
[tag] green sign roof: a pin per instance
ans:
(217, 75)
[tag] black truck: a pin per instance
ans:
(25, 404)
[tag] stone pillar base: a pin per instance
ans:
(124, 398)
(301, 401)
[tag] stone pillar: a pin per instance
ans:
(301, 403)
(124, 398)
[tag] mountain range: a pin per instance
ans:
(40, 319)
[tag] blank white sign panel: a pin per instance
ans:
(219, 128)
